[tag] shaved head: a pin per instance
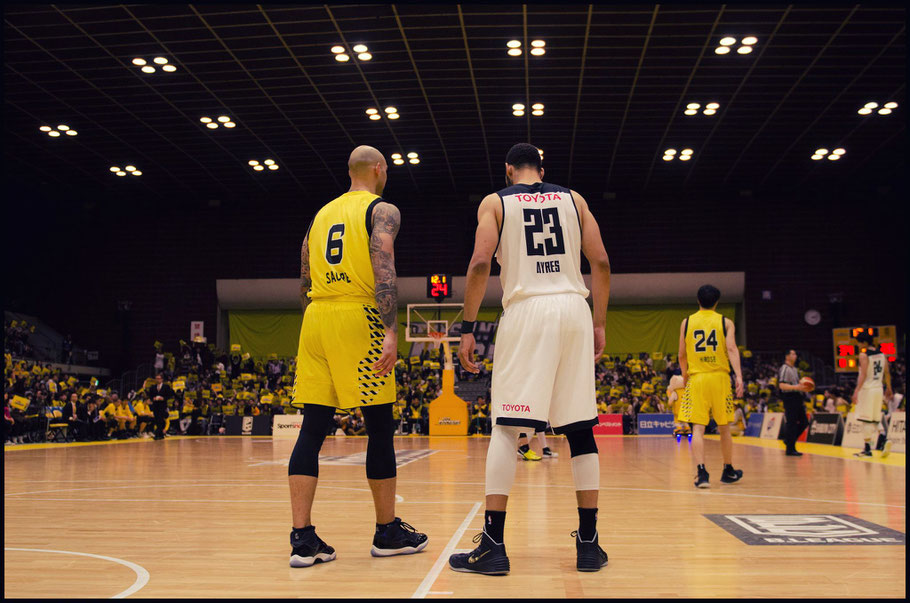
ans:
(367, 169)
(363, 158)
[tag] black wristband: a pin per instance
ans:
(467, 326)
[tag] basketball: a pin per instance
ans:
(808, 381)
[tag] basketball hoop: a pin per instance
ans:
(436, 336)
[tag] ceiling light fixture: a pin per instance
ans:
(160, 61)
(727, 43)
(360, 48)
(130, 169)
(364, 56)
(538, 48)
(342, 58)
(390, 110)
(337, 49)
(834, 155)
(270, 163)
(412, 158)
(56, 133)
(213, 124)
(514, 48)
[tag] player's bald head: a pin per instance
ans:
(364, 158)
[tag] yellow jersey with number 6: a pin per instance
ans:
(339, 247)
(706, 343)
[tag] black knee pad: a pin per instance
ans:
(380, 444)
(305, 457)
(582, 442)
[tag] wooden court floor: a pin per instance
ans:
(210, 517)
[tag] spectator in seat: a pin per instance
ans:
(413, 416)
(355, 425)
(71, 417)
(145, 418)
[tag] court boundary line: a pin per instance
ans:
(142, 574)
(530, 485)
(424, 588)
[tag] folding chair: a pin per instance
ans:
(55, 431)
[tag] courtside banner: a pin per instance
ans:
(655, 424)
(286, 426)
(753, 425)
(897, 431)
(824, 428)
(770, 427)
(853, 433)
(608, 424)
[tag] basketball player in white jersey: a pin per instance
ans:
(867, 397)
(543, 364)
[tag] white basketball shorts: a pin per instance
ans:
(543, 364)
(868, 404)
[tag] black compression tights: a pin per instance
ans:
(317, 420)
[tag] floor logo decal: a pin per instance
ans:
(806, 530)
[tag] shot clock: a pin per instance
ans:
(847, 349)
(439, 286)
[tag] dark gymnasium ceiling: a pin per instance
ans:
(614, 81)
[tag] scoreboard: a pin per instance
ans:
(439, 286)
(847, 349)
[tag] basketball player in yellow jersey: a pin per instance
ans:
(675, 390)
(347, 352)
(707, 348)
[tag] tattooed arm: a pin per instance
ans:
(386, 221)
(305, 280)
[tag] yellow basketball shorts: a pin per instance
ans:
(339, 342)
(707, 393)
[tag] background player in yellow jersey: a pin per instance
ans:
(707, 348)
(675, 392)
(347, 352)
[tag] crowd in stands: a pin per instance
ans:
(15, 338)
(205, 386)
